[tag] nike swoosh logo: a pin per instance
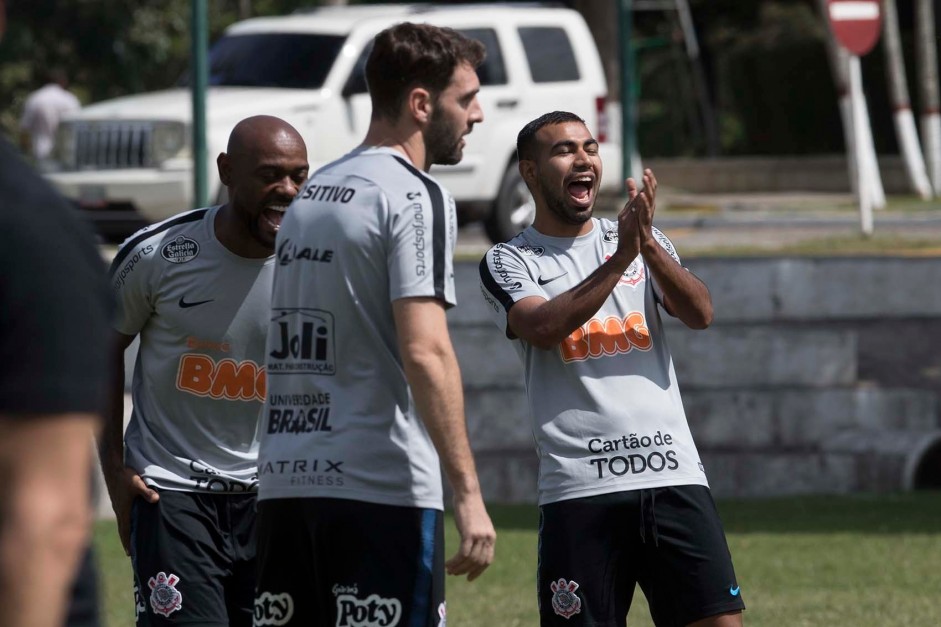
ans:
(734, 591)
(542, 281)
(184, 304)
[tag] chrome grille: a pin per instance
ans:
(107, 145)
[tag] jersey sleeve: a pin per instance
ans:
(668, 246)
(504, 280)
(132, 278)
(422, 242)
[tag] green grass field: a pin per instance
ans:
(854, 561)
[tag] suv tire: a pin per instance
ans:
(513, 210)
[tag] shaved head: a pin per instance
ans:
(264, 166)
(257, 130)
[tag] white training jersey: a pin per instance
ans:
(199, 381)
(339, 418)
(605, 405)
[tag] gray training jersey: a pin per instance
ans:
(199, 381)
(606, 409)
(339, 418)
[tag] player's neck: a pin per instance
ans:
(401, 137)
(235, 236)
(548, 223)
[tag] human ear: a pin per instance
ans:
(527, 170)
(225, 169)
(420, 104)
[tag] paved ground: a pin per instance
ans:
(711, 224)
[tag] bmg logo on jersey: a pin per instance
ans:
(301, 342)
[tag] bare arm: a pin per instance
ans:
(546, 323)
(45, 473)
(684, 295)
(123, 483)
(435, 380)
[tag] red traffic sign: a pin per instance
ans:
(856, 23)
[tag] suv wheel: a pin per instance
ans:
(513, 210)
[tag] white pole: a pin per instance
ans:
(860, 149)
(926, 54)
(901, 105)
(863, 167)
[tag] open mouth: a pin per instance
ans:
(580, 190)
(273, 215)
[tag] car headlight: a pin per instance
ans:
(169, 140)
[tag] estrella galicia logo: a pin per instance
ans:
(180, 250)
(301, 340)
(610, 236)
(532, 251)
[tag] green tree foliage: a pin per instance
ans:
(107, 48)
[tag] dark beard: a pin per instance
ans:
(442, 142)
(557, 206)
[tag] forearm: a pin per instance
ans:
(554, 320)
(111, 439)
(46, 517)
(435, 380)
(684, 295)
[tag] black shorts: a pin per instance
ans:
(670, 540)
(344, 563)
(193, 556)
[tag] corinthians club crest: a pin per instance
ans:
(565, 602)
(164, 597)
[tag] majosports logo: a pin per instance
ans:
(611, 336)
(234, 381)
(180, 250)
(302, 340)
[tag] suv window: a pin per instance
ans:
(491, 72)
(273, 60)
(549, 53)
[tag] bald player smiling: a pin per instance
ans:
(196, 289)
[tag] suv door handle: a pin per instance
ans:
(507, 104)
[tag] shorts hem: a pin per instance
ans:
(713, 610)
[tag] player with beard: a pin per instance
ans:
(623, 496)
(196, 290)
(364, 390)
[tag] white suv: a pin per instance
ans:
(128, 161)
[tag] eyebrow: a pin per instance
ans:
(571, 143)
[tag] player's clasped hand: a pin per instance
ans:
(478, 538)
(635, 220)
